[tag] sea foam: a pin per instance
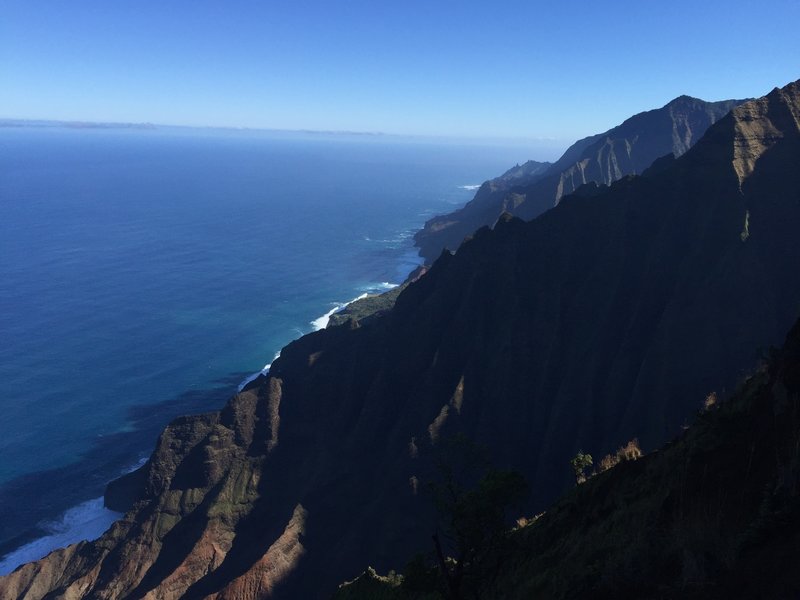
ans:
(263, 371)
(86, 521)
(369, 290)
(383, 286)
(322, 322)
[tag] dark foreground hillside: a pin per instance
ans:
(714, 514)
(607, 318)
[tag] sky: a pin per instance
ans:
(534, 70)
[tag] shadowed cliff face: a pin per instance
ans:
(609, 317)
(627, 149)
(714, 514)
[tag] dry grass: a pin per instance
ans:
(630, 451)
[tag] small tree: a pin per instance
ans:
(580, 463)
(472, 515)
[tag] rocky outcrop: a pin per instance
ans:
(627, 149)
(610, 316)
(372, 306)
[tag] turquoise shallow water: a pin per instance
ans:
(144, 274)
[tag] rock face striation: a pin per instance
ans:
(714, 514)
(627, 149)
(609, 317)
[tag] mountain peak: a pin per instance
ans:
(683, 99)
(758, 124)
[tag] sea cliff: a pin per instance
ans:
(609, 317)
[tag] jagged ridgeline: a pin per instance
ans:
(627, 149)
(609, 317)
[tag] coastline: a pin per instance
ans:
(320, 323)
(89, 519)
(85, 521)
(377, 254)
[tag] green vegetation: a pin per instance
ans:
(367, 308)
(580, 463)
(474, 524)
(469, 545)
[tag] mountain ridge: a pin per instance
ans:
(626, 149)
(608, 317)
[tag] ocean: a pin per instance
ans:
(144, 274)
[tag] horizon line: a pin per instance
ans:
(147, 125)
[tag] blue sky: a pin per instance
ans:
(501, 69)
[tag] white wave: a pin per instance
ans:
(322, 322)
(139, 463)
(377, 288)
(395, 240)
(87, 521)
(378, 240)
(263, 371)
(469, 187)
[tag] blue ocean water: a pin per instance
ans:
(144, 274)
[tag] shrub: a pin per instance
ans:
(607, 462)
(579, 464)
(710, 402)
(630, 451)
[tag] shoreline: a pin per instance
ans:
(90, 519)
(87, 520)
(40, 498)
